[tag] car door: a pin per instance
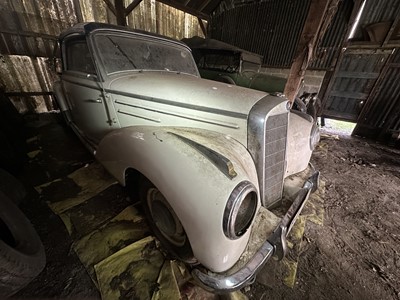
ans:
(84, 92)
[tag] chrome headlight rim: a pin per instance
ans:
(244, 191)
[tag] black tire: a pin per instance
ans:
(22, 255)
(11, 187)
(159, 215)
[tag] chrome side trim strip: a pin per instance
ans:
(180, 104)
(184, 116)
(83, 84)
(138, 116)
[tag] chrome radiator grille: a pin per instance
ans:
(266, 141)
(275, 151)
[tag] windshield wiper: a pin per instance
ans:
(122, 52)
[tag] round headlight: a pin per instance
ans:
(314, 136)
(240, 210)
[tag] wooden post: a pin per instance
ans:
(307, 42)
(203, 28)
(120, 12)
(78, 10)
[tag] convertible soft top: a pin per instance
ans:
(86, 28)
(200, 43)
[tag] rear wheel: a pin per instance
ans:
(164, 222)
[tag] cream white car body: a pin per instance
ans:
(152, 120)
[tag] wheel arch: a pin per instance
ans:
(166, 157)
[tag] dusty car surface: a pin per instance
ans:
(223, 62)
(209, 154)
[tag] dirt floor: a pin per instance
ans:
(354, 255)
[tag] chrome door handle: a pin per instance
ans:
(98, 100)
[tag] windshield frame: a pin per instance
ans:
(135, 35)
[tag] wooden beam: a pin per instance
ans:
(311, 31)
(120, 12)
(132, 6)
(29, 34)
(346, 94)
(78, 10)
(390, 32)
(27, 94)
(186, 9)
(203, 6)
(110, 7)
(203, 28)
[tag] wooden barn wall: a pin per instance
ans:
(29, 30)
(159, 18)
(381, 118)
(28, 82)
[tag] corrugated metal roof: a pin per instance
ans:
(377, 11)
(268, 28)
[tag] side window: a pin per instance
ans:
(78, 57)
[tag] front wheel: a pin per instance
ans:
(164, 223)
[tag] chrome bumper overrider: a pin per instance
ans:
(275, 245)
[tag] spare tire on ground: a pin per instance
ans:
(11, 187)
(22, 255)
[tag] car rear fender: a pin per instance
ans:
(196, 170)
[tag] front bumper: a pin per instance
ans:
(275, 245)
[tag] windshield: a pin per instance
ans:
(128, 52)
(250, 66)
(219, 60)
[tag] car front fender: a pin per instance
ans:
(196, 170)
(303, 135)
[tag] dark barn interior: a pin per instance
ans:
(88, 236)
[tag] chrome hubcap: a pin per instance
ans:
(165, 218)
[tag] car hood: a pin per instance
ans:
(186, 90)
(265, 82)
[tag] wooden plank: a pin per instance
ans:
(203, 28)
(78, 11)
(132, 6)
(358, 49)
(204, 5)
(186, 9)
(340, 116)
(346, 94)
(392, 28)
(361, 75)
(27, 94)
(120, 12)
(110, 7)
(29, 34)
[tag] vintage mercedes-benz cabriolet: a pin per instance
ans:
(210, 155)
